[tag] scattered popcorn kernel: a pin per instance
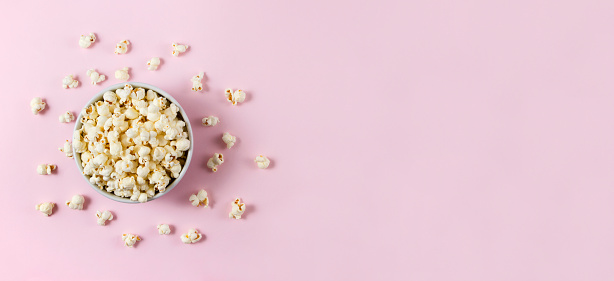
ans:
(122, 47)
(229, 140)
(200, 199)
(76, 203)
(37, 105)
(67, 117)
(67, 149)
(103, 217)
(44, 169)
(130, 239)
(178, 48)
(235, 97)
(210, 121)
(191, 237)
(164, 229)
(122, 74)
(215, 161)
(262, 162)
(95, 76)
(197, 84)
(69, 82)
(45, 208)
(153, 63)
(238, 209)
(85, 41)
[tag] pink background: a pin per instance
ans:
(422, 140)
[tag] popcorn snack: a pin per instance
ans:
(238, 209)
(67, 117)
(76, 203)
(164, 229)
(69, 82)
(132, 143)
(200, 199)
(103, 217)
(45, 208)
(85, 41)
(210, 121)
(215, 161)
(95, 76)
(262, 162)
(122, 47)
(191, 237)
(67, 149)
(197, 84)
(44, 169)
(122, 74)
(178, 49)
(37, 105)
(235, 97)
(130, 239)
(229, 140)
(153, 63)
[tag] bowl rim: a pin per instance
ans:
(98, 97)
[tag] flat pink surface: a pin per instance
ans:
(422, 140)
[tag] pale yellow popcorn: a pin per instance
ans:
(197, 84)
(45, 208)
(122, 74)
(153, 63)
(262, 161)
(122, 47)
(66, 117)
(76, 203)
(238, 209)
(200, 199)
(103, 217)
(130, 239)
(44, 169)
(67, 149)
(215, 161)
(164, 229)
(191, 237)
(235, 97)
(210, 121)
(85, 41)
(178, 49)
(95, 76)
(69, 82)
(37, 105)
(229, 140)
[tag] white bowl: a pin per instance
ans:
(183, 115)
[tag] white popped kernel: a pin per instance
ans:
(37, 105)
(122, 74)
(45, 208)
(210, 121)
(262, 162)
(191, 237)
(164, 229)
(44, 169)
(238, 209)
(76, 203)
(130, 239)
(178, 48)
(85, 41)
(153, 63)
(197, 84)
(67, 149)
(235, 97)
(69, 82)
(95, 76)
(215, 161)
(103, 217)
(229, 140)
(200, 199)
(122, 47)
(66, 117)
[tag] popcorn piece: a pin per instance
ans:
(235, 97)
(76, 203)
(67, 117)
(215, 161)
(197, 84)
(45, 208)
(103, 217)
(191, 237)
(37, 105)
(262, 162)
(177, 49)
(238, 209)
(210, 121)
(164, 229)
(122, 74)
(85, 41)
(122, 47)
(67, 149)
(229, 140)
(95, 76)
(130, 239)
(69, 82)
(44, 169)
(200, 199)
(153, 63)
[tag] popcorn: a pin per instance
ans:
(37, 105)
(215, 161)
(164, 229)
(197, 84)
(67, 149)
(122, 47)
(191, 237)
(177, 49)
(76, 203)
(44, 169)
(122, 74)
(235, 97)
(262, 162)
(103, 217)
(229, 140)
(238, 209)
(45, 208)
(69, 82)
(153, 63)
(67, 117)
(85, 41)
(200, 199)
(130, 239)
(95, 76)
(210, 121)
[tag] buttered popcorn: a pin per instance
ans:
(229, 140)
(164, 229)
(210, 121)
(122, 74)
(215, 161)
(95, 76)
(76, 202)
(45, 169)
(132, 143)
(37, 105)
(192, 236)
(237, 210)
(69, 82)
(200, 199)
(130, 239)
(178, 49)
(67, 149)
(66, 117)
(103, 217)
(85, 41)
(122, 47)
(262, 161)
(45, 208)
(197, 84)
(235, 97)
(153, 63)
